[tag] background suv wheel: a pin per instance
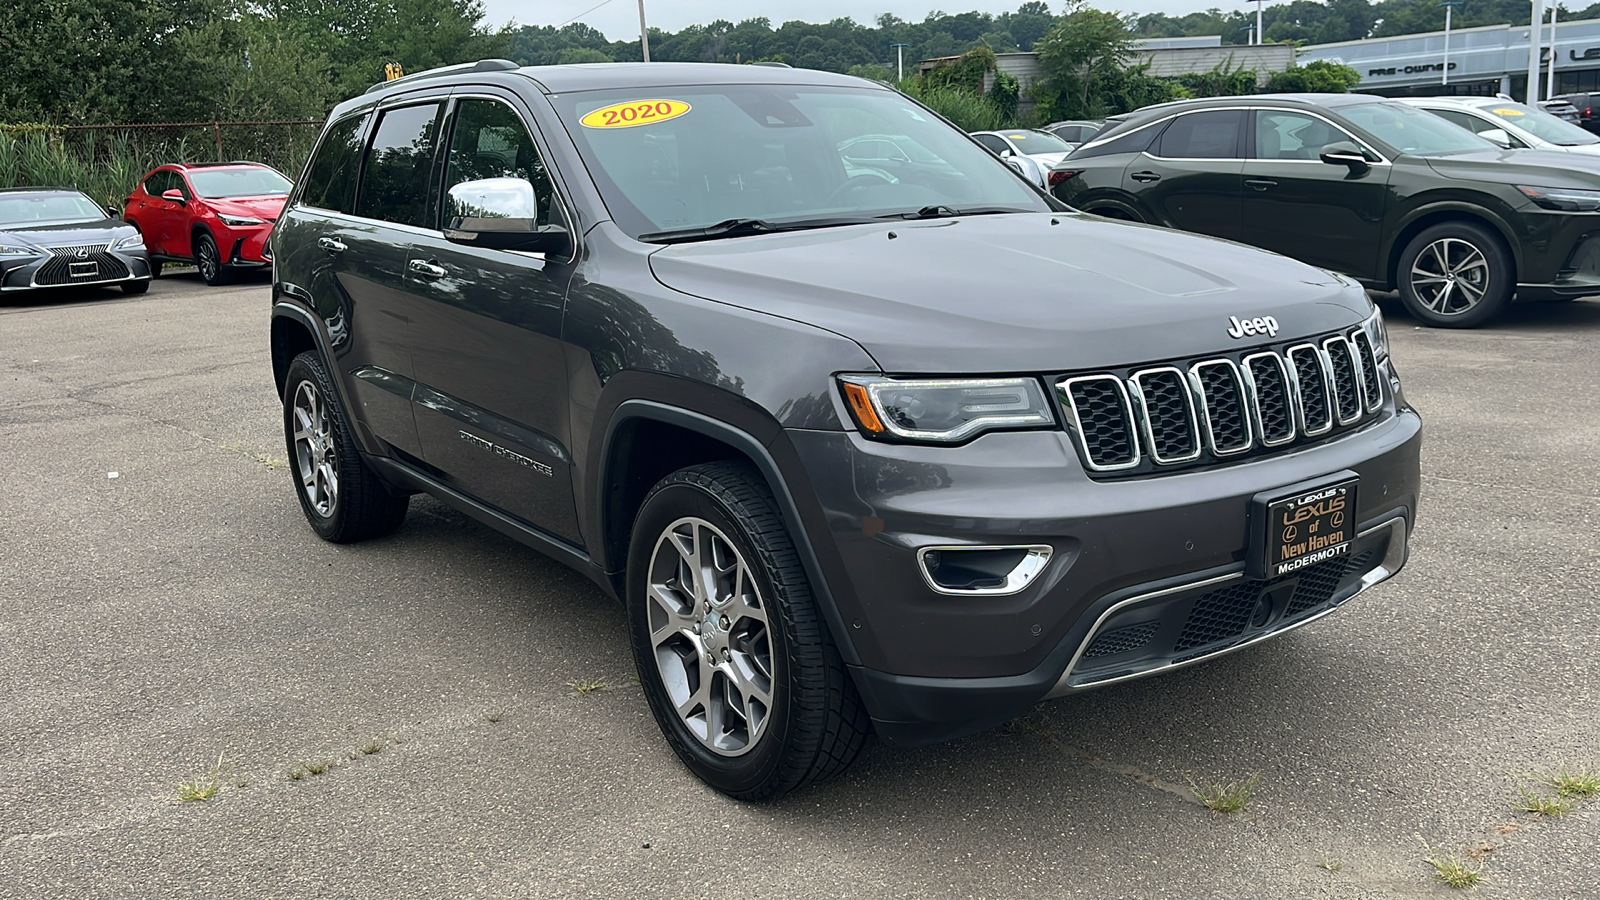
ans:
(1456, 275)
(208, 259)
(736, 663)
(341, 496)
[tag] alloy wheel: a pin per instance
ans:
(206, 260)
(1450, 276)
(709, 630)
(315, 454)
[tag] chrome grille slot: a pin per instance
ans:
(1222, 406)
(96, 265)
(1267, 382)
(1346, 380)
(1101, 417)
(1311, 389)
(1166, 414)
(1371, 385)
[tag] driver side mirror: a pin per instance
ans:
(1344, 153)
(1499, 136)
(500, 214)
(175, 195)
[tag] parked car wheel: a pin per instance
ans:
(135, 287)
(1456, 275)
(736, 663)
(209, 260)
(342, 498)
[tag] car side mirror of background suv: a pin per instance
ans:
(501, 214)
(1344, 153)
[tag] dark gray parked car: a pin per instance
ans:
(58, 237)
(858, 454)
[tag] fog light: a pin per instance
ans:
(982, 570)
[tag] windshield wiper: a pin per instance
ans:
(743, 228)
(944, 212)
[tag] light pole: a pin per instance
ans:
(1449, 7)
(1535, 25)
(644, 33)
(1550, 82)
(900, 59)
(1251, 40)
(1258, 21)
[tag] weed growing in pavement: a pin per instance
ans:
(310, 767)
(1225, 797)
(1033, 723)
(1330, 864)
(495, 715)
(204, 787)
(1532, 801)
(589, 685)
(370, 747)
(1451, 869)
(1573, 784)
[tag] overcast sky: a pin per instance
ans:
(619, 19)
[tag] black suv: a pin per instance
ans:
(1393, 196)
(860, 451)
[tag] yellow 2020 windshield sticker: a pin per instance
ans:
(634, 112)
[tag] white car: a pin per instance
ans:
(1510, 124)
(1041, 147)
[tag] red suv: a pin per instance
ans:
(216, 215)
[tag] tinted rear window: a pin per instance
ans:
(331, 177)
(1128, 142)
(1213, 134)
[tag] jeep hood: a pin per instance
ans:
(1015, 293)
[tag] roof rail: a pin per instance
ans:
(482, 65)
(773, 63)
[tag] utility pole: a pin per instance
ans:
(900, 59)
(644, 33)
(1449, 7)
(1258, 21)
(1550, 82)
(1535, 26)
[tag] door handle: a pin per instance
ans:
(423, 267)
(1145, 176)
(332, 245)
(1260, 184)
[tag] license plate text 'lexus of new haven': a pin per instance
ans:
(1310, 527)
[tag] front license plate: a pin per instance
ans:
(83, 270)
(1309, 527)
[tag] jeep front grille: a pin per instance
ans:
(1165, 416)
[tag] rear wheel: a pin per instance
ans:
(342, 497)
(208, 259)
(735, 661)
(1456, 275)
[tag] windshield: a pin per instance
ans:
(1541, 124)
(54, 208)
(1411, 130)
(1037, 142)
(251, 182)
(669, 159)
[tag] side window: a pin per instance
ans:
(395, 182)
(489, 140)
(1281, 134)
(158, 183)
(1212, 134)
(1471, 123)
(331, 177)
(1132, 142)
(992, 142)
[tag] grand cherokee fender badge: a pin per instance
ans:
(1266, 325)
(502, 452)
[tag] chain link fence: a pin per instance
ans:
(107, 161)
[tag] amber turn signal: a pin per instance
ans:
(861, 406)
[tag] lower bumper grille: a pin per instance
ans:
(80, 265)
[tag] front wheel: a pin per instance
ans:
(1456, 275)
(340, 494)
(209, 260)
(736, 663)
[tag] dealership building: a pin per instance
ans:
(1487, 60)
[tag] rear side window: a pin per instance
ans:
(1135, 141)
(1213, 134)
(159, 183)
(331, 177)
(489, 140)
(992, 142)
(395, 181)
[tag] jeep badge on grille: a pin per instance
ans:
(1266, 325)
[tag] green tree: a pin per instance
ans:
(1085, 49)
(1316, 77)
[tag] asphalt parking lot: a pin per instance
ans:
(163, 606)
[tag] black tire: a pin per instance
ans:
(815, 724)
(359, 506)
(135, 287)
(155, 268)
(208, 259)
(1456, 275)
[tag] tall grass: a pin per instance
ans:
(969, 111)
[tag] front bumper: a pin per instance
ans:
(1134, 562)
(62, 267)
(245, 247)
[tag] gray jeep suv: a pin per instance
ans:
(860, 450)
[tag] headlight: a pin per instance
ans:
(1564, 199)
(944, 411)
(14, 250)
(237, 221)
(1378, 334)
(133, 241)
